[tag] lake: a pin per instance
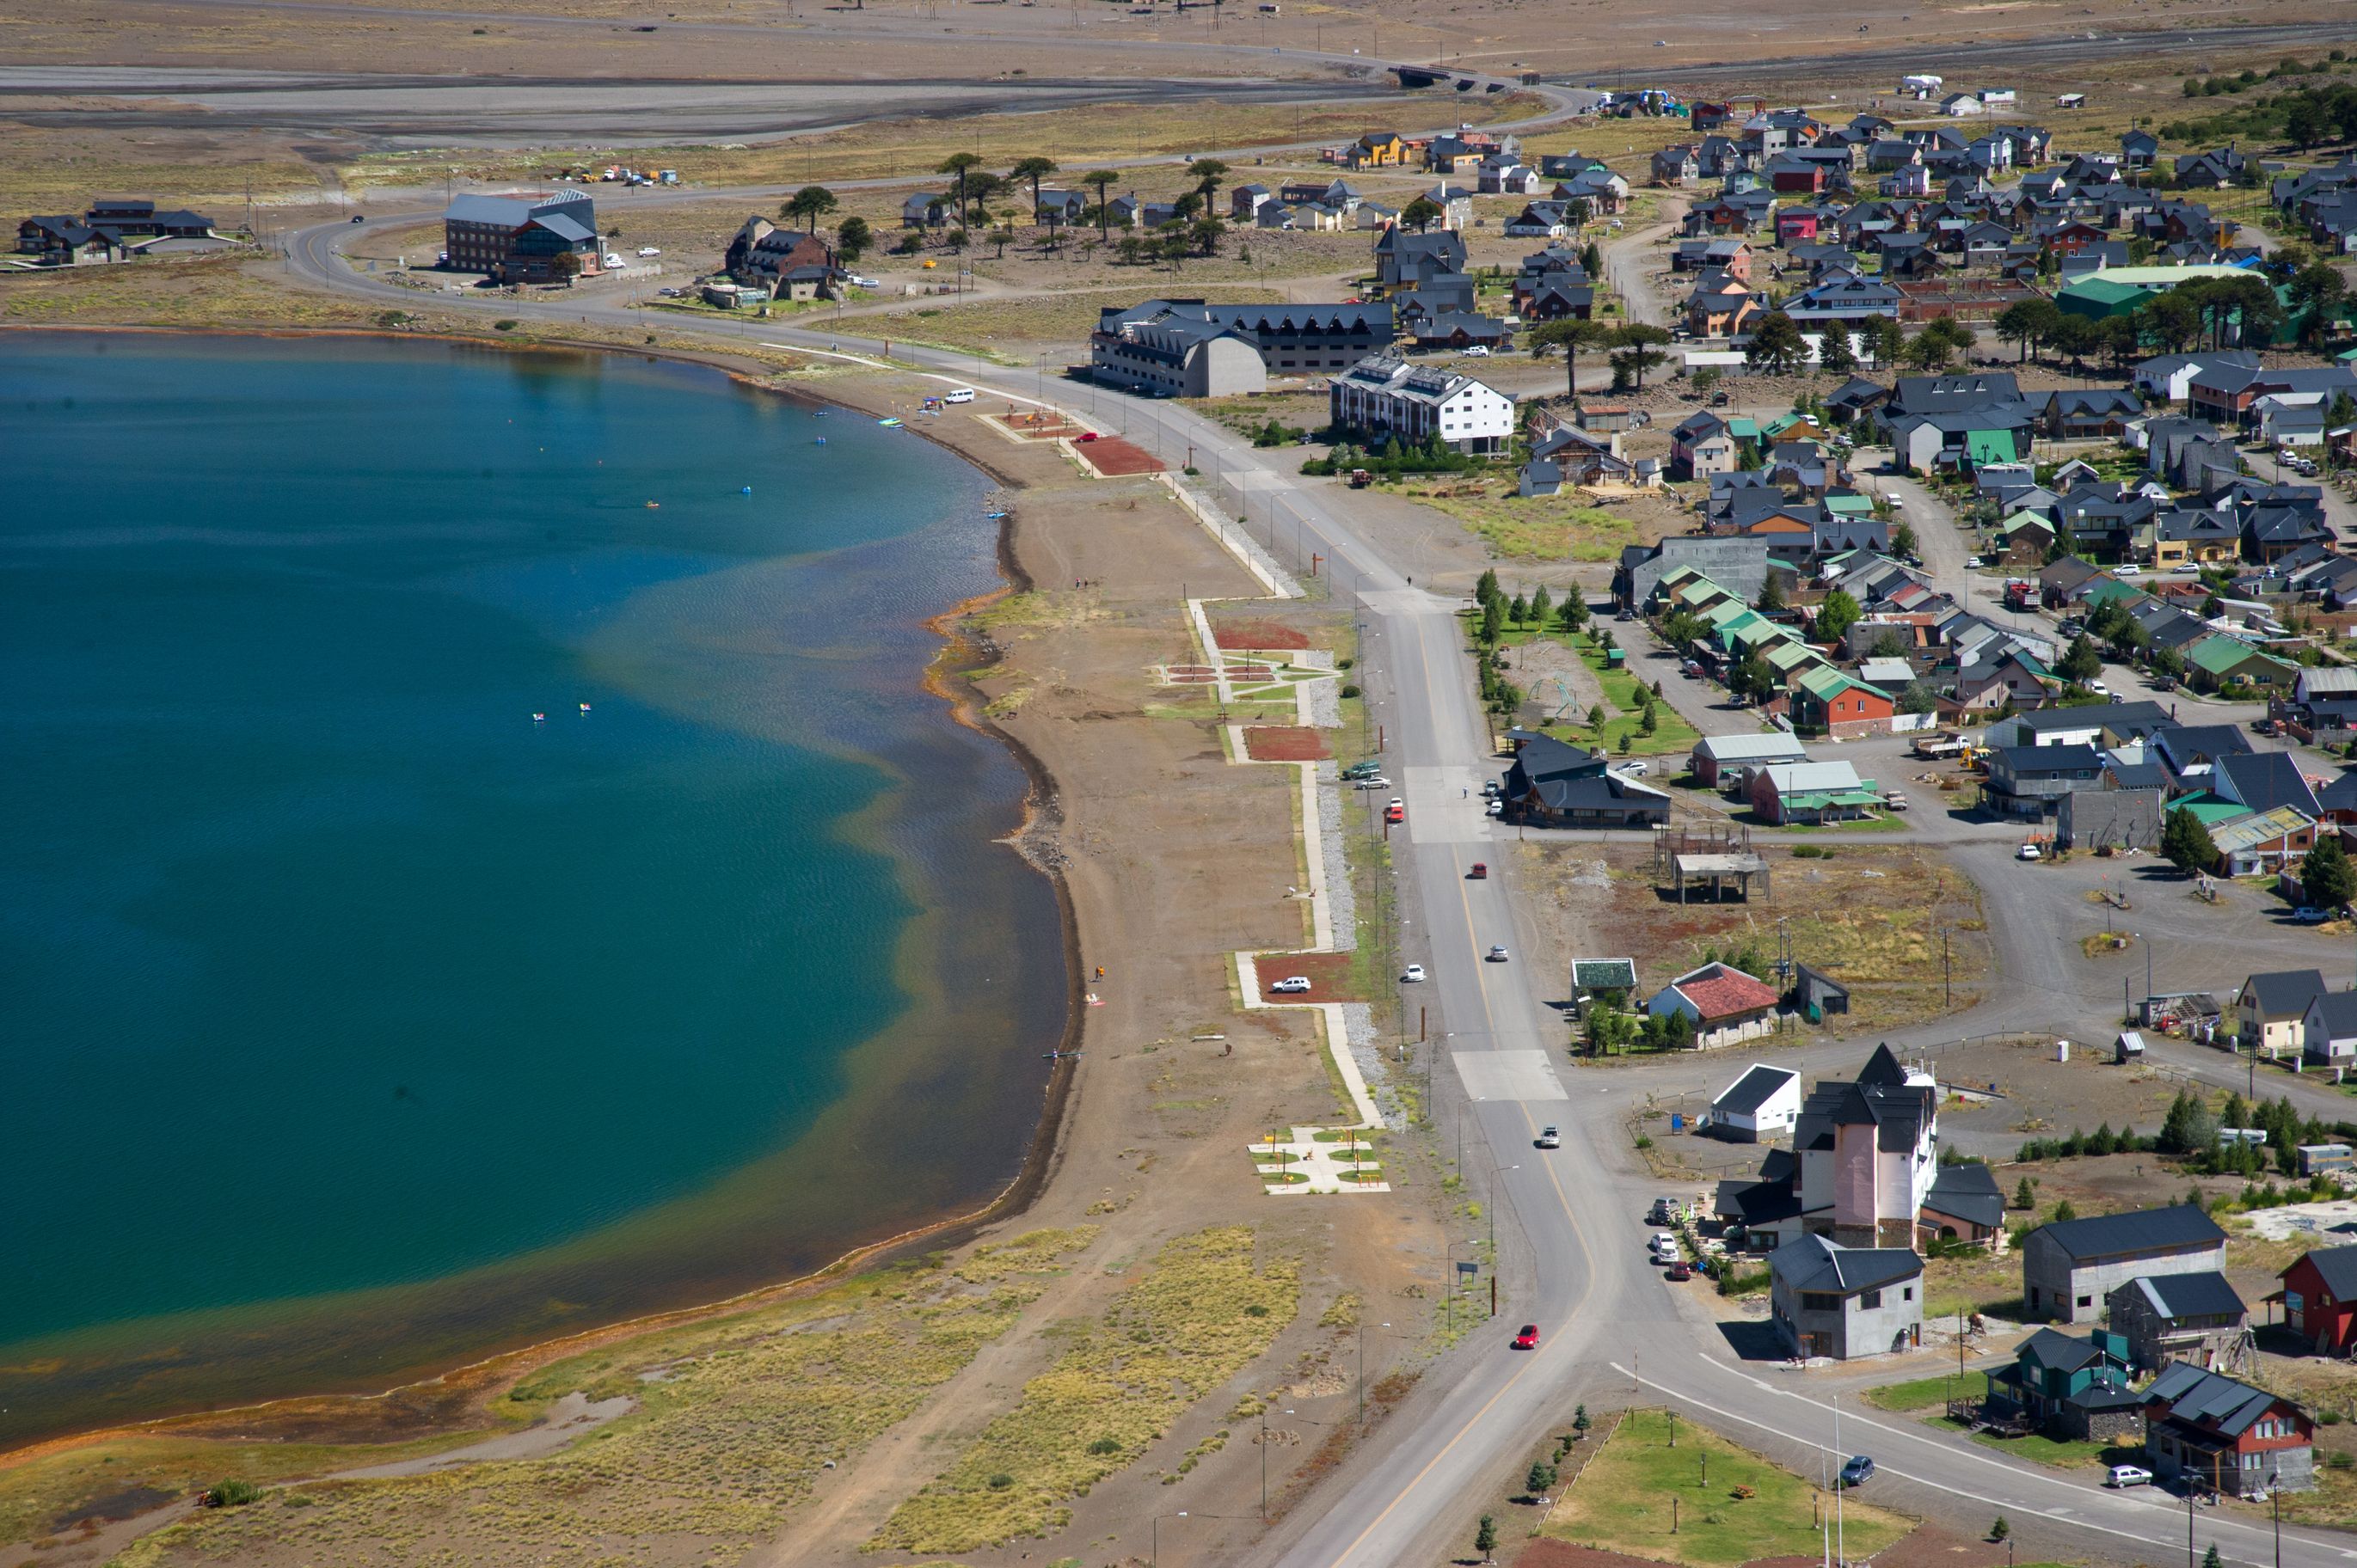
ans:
(481, 862)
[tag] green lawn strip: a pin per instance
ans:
(2061, 1454)
(1199, 1314)
(735, 1416)
(1916, 1394)
(1889, 822)
(1621, 1502)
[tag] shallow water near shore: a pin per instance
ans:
(361, 1024)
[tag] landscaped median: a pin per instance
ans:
(1665, 1488)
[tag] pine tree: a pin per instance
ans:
(2325, 876)
(1518, 610)
(1485, 588)
(1651, 721)
(2185, 844)
(1771, 593)
(2022, 1197)
(1541, 603)
(1540, 1480)
(1579, 1422)
(1485, 1541)
(2082, 663)
(2064, 1212)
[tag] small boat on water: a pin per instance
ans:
(653, 505)
(993, 517)
(540, 718)
(889, 423)
(585, 707)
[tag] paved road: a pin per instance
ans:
(1570, 1235)
(1981, 55)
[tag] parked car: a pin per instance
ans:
(1528, 1339)
(359, 217)
(1496, 808)
(1366, 770)
(1664, 1212)
(1892, 800)
(1495, 955)
(1397, 804)
(1086, 435)
(1630, 769)
(2127, 1476)
(2312, 916)
(1413, 974)
(2028, 852)
(856, 280)
(1291, 985)
(1395, 813)
(1678, 1273)
(1664, 1248)
(649, 251)
(1481, 872)
(1549, 1138)
(1373, 781)
(1858, 1472)
(2099, 688)
(1478, 351)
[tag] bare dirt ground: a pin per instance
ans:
(1870, 916)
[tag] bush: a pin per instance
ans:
(1348, 690)
(510, 326)
(1001, 1481)
(230, 1495)
(1107, 1445)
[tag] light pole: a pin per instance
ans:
(2274, 1497)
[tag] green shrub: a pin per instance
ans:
(231, 1494)
(510, 326)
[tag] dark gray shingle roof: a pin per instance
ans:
(2178, 1226)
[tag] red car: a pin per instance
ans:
(1088, 435)
(1679, 1272)
(1528, 1339)
(1395, 815)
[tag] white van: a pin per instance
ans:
(958, 394)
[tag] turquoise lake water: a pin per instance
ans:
(356, 1022)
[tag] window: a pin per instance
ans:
(1907, 1292)
(1868, 1300)
(2086, 1301)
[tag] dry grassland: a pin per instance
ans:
(737, 1417)
(1200, 1313)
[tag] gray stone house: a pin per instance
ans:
(1845, 1302)
(2068, 1267)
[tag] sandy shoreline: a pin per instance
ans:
(444, 1400)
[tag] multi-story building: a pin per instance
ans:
(1384, 396)
(518, 238)
(1184, 347)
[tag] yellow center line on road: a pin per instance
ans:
(1587, 1270)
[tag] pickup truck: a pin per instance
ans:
(1934, 747)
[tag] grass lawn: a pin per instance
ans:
(1621, 1502)
(1534, 528)
(2061, 1452)
(1918, 1393)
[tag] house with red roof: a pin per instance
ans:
(1724, 1004)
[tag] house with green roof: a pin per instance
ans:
(2221, 660)
(1826, 699)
